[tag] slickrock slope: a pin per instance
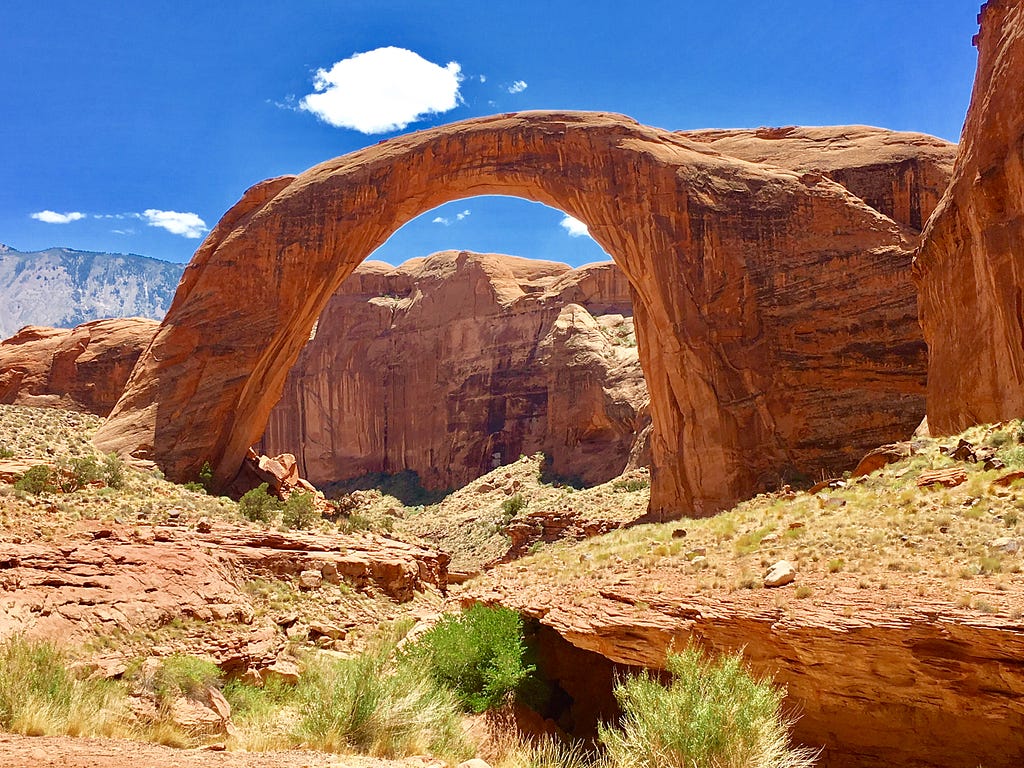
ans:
(907, 681)
(83, 369)
(456, 363)
(897, 173)
(775, 317)
(970, 269)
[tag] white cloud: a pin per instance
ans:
(483, 78)
(574, 227)
(518, 86)
(52, 217)
(447, 222)
(383, 90)
(185, 224)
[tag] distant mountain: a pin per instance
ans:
(62, 288)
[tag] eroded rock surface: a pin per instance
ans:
(910, 683)
(81, 369)
(774, 314)
(969, 269)
(454, 364)
(898, 173)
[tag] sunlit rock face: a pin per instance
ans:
(970, 267)
(453, 364)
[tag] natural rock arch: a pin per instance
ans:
(773, 309)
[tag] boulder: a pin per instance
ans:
(780, 574)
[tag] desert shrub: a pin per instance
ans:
(299, 511)
(258, 504)
(711, 713)
(512, 506)
(113, 471)
(186, 675)
(77, 472)
(7, 453)
(373, 705)
(39, 696)
(513, 750)
(38, 479)
(206, 476)
(632, 484)
(480, 654)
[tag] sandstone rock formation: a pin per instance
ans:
(969, 268)
(82, 369)
(878, 683)
(900, 174)
(453, 364)
(774, 314)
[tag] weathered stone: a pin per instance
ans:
(780, 574)
(879, 457)
(951, 477)
(520, 356)
(1005, 544)
(969, 268)
(821, 361)
(82, 369)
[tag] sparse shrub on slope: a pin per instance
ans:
(299, 511)
(711, 713)
(480, 654)
(258, 504)
(38, 479)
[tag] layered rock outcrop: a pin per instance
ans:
(898, 173)
(774, 314)
(81, 369)
(911, 683)
(969, 269)
(453, 364)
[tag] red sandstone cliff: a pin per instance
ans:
(456, 363)
(83, 368)
(970, 267)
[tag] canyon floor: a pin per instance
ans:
(924, 552)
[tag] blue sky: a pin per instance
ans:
(132, 127)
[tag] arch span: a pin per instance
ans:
(773, 309)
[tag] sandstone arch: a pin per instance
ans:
(775, 318)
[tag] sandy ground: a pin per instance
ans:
(64, 752)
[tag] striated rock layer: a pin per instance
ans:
(877, 685)
(456, 363)
(970, 267)
(81, 369)
(774, 314)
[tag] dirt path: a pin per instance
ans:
(64, 752)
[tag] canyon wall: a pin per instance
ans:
(970, 267)
(453, 364)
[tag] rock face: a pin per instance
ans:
(878, 685)
(774, 314)
(82, 369)
(969, 268)
(62, 287)
(900, 174)
(457, 363)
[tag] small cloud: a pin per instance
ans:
(518, 86)
(574, 227)
(483, 78)
(448, 222)
(52, 217)
(383, 90)
(185, 224)
(123, 231)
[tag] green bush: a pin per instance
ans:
(299, 511)
(185, 675)
(77, 472)
(113, 471)
(512, 506)
(480, 654)
(38, 479)
(206, 476)
(7, 453)
(711, 713)
(633, 484)
(369, 704)
(258, 504)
